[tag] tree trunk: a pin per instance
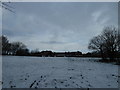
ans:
(102, 55)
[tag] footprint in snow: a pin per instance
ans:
(35, 87)
(37, 84)
(62, 82)
(70, 77)
(68, 85)
(12, 86)
(89, 85)
(54, 79)
(71, 69)
(55, 83)
(41, 76)
(55, 87)
(76, 84)
(32, 84)
(1, 82)
(113, 75)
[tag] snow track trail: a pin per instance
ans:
(57, 72)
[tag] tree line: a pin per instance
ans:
(106, 45)
(14, 48)
(20, 49)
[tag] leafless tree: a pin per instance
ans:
(15, 46)
(119, 41)
(4, 44)
(107, 43)
(97, 44)
(110, 35)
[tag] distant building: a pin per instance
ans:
(60, 54)
(47, 54)
(68, 54)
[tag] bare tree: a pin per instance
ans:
(107, 43)
(119, 41)
(15, 46)
(5, 45)
(97, 44)
(110, 36)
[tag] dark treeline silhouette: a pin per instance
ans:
(20, 49)
(56, 54)
(107, 44)
(14, 48)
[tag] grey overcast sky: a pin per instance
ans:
(58, 26)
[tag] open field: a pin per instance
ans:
(58, 72)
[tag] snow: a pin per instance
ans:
(57, 72)
(0, 72)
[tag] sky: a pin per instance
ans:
(58, 26)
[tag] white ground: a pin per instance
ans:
(0, 72)
(57, 72)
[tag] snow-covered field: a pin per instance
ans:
(57, 72)
(0, 72)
